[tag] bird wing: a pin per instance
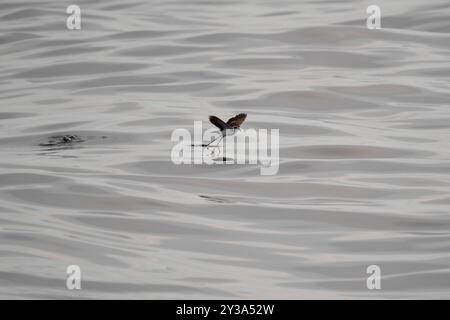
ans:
(219, 123)
(236, 121)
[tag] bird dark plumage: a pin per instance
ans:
(236, 121)
(219, 123)
(232, 123)
(226, 128)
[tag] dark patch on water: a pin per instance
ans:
(214, 199)
(223, 159)
(62, 140)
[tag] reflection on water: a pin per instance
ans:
(364, 149)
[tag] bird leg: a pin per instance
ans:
(212, 141)
(217, 145)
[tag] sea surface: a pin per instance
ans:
(364, 176)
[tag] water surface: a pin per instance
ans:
(364, 157)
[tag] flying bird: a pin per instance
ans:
(229, 127)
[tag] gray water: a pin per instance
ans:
(364, 174)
